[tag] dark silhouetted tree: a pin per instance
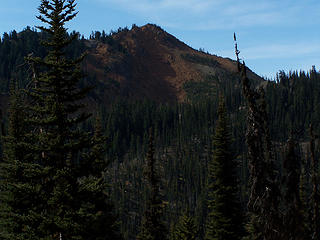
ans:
(153, 227)
(265, 220)
(225, 218)
(294, 218)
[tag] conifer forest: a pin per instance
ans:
(86, 156)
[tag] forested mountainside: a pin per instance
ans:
(145, 78)
(144, 62)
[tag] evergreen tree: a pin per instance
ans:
(186, 229)
(18, 194)
(68, 199)
(294, 220)
(225, 219)
(99, 221)
(265, 218)
(152, 227)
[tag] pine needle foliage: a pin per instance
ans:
(18, 194)
(224, 219)
(186, 229)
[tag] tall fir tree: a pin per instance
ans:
(225, 218)
(294, 219)
(68, 199)
(153, 227)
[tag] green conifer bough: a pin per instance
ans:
(186, 229)
(18, 194)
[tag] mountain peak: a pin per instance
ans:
(148, 62)
(152, 27)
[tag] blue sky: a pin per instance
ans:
(272, 35)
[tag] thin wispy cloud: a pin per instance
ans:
(244, 20)
(215, 14)
(190, 5)
(152, 6)
(277, 51)
(282, 51)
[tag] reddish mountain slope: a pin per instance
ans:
(151, 63)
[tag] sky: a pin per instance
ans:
(272, 35)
